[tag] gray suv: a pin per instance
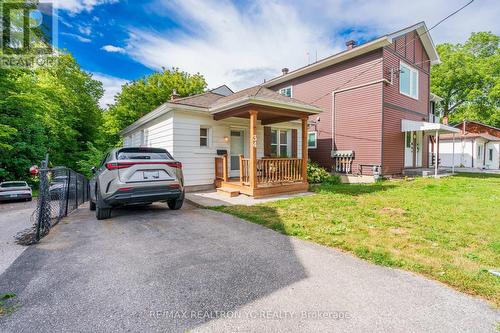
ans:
(136, 176)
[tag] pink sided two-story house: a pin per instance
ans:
(378, 113)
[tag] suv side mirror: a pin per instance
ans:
(94, 170)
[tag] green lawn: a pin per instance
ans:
(447, 229)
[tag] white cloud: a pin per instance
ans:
(112, 86)
(243, 46)
(77, 6)
(85, 29)
(229, 46)
(113, 49)
(77, 37)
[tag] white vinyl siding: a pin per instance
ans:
(466, 153)
(159, 134)
(408, 81)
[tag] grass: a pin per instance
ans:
(4, 309)
(447, 229)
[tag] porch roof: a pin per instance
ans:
(423, 126)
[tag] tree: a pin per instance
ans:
(49, 109)
(468, 79)
(143, 96)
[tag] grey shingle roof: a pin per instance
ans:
(210, 99)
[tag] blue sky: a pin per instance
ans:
(241, 42)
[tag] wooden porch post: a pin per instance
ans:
(304, 149)
(253, 149)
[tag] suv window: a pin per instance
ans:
(16, 184)
(143, 154)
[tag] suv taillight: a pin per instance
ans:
(124, 165)
(114, 166)
(177, 165)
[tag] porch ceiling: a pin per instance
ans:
(266, 114)
(423, 126)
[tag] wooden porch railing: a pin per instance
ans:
(279, 170)
(269, 170)
(244, 170)
(221, 168)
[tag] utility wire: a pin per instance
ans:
(379, 61)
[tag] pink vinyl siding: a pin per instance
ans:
(317, 88)
(368, 118)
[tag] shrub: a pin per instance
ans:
(317, 174)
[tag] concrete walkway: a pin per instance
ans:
(211, 198)
(152, 269)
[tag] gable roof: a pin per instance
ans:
(375, 44)
(223, 90)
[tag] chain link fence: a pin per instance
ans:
(62, 190)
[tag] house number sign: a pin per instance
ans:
(254, 141)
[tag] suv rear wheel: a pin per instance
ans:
(92, 205)
(176, 204)
(102, 212)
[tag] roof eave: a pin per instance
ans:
(334, 59)
(265, 102)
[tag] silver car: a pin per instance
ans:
(139, 175)
(19, 190)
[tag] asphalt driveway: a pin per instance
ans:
(14, 217)
(152, 269)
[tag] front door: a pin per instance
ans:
(408, 150)
(237, 148)
(419, 145)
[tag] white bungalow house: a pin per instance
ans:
(253, 142)
(477, 145)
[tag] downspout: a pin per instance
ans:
(334, 112)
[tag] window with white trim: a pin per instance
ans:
(408, 81)
(287, 91)
(479, 151)
(490, 154)
(280, 143)
(204, 137)
(312, 140)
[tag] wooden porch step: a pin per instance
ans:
(230, 192)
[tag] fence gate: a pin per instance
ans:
(62, 190)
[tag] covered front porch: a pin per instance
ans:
(414, 132)
(272, 164)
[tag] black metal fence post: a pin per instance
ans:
(68, 182)
(43, 198)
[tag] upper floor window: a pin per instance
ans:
(204, 136)
(408, 81)
(287, 91)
